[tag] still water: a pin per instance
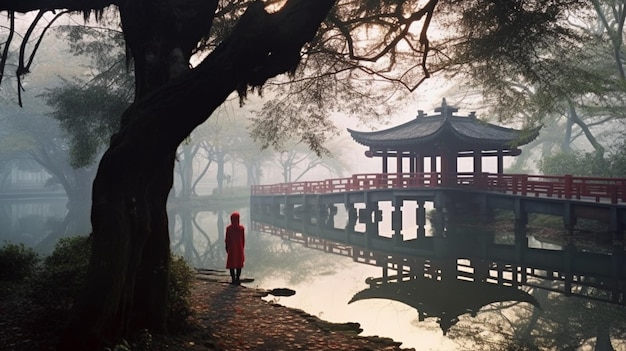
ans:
(325, 283)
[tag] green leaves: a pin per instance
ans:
(89, 115)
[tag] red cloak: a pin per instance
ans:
(235, 242)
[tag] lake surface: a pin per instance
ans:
(326, 282)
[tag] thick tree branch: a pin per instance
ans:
(401, 24)
(24, 6)
(24, 68)
(7, 44)
(261, 46)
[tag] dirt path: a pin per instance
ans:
(237, 318)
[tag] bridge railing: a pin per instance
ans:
(566, 186)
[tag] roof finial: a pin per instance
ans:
(446, 111)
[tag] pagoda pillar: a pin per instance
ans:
(419, 168)
(396, 221)
(454, 167)
(478, 167)
(385, 160)
(398, 161)
(420, 214)
(433, 170)
(500, 163)
(448, 167)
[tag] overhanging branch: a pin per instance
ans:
(5, 51)
(23, 69)
(24, 6)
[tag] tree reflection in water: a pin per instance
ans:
(198, 236)
(200, 243)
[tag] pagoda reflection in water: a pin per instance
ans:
(446, 277)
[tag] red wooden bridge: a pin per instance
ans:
(593, 189)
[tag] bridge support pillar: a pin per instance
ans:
(569, 250)
(486, 212)
(438, 220)
(420, 219)
(616, 227)
(521, 246)
(288, 210)
(330, 219)
(569, 219)
(382, 261)
(275, 209)
(481, 270)
(618, 255)
(352, 220)
(396, 221)
(521, 216)
(322, 215)
(370, 216)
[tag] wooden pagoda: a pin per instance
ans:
(444, 136)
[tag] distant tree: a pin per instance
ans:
(253, 159)
(296, 160)
(88, 107)
(580, 163)
(219, 138)
(186, 162)
(575, 163)
(39, 139)
(617, 158)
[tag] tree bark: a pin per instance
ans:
(126, 283)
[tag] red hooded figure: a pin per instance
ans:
(235, 242)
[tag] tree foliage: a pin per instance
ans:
(88, 108)
(16, 261)
(568, 72)
(590, 164)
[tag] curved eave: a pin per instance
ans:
(464, 131)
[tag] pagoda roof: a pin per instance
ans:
(445, 130)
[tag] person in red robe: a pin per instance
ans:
(235, 242)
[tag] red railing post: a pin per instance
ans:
(568, 182)
(613, 193)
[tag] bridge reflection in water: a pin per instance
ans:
(444, 277)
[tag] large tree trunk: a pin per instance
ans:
(126, 287)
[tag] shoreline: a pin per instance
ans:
(238, 318)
